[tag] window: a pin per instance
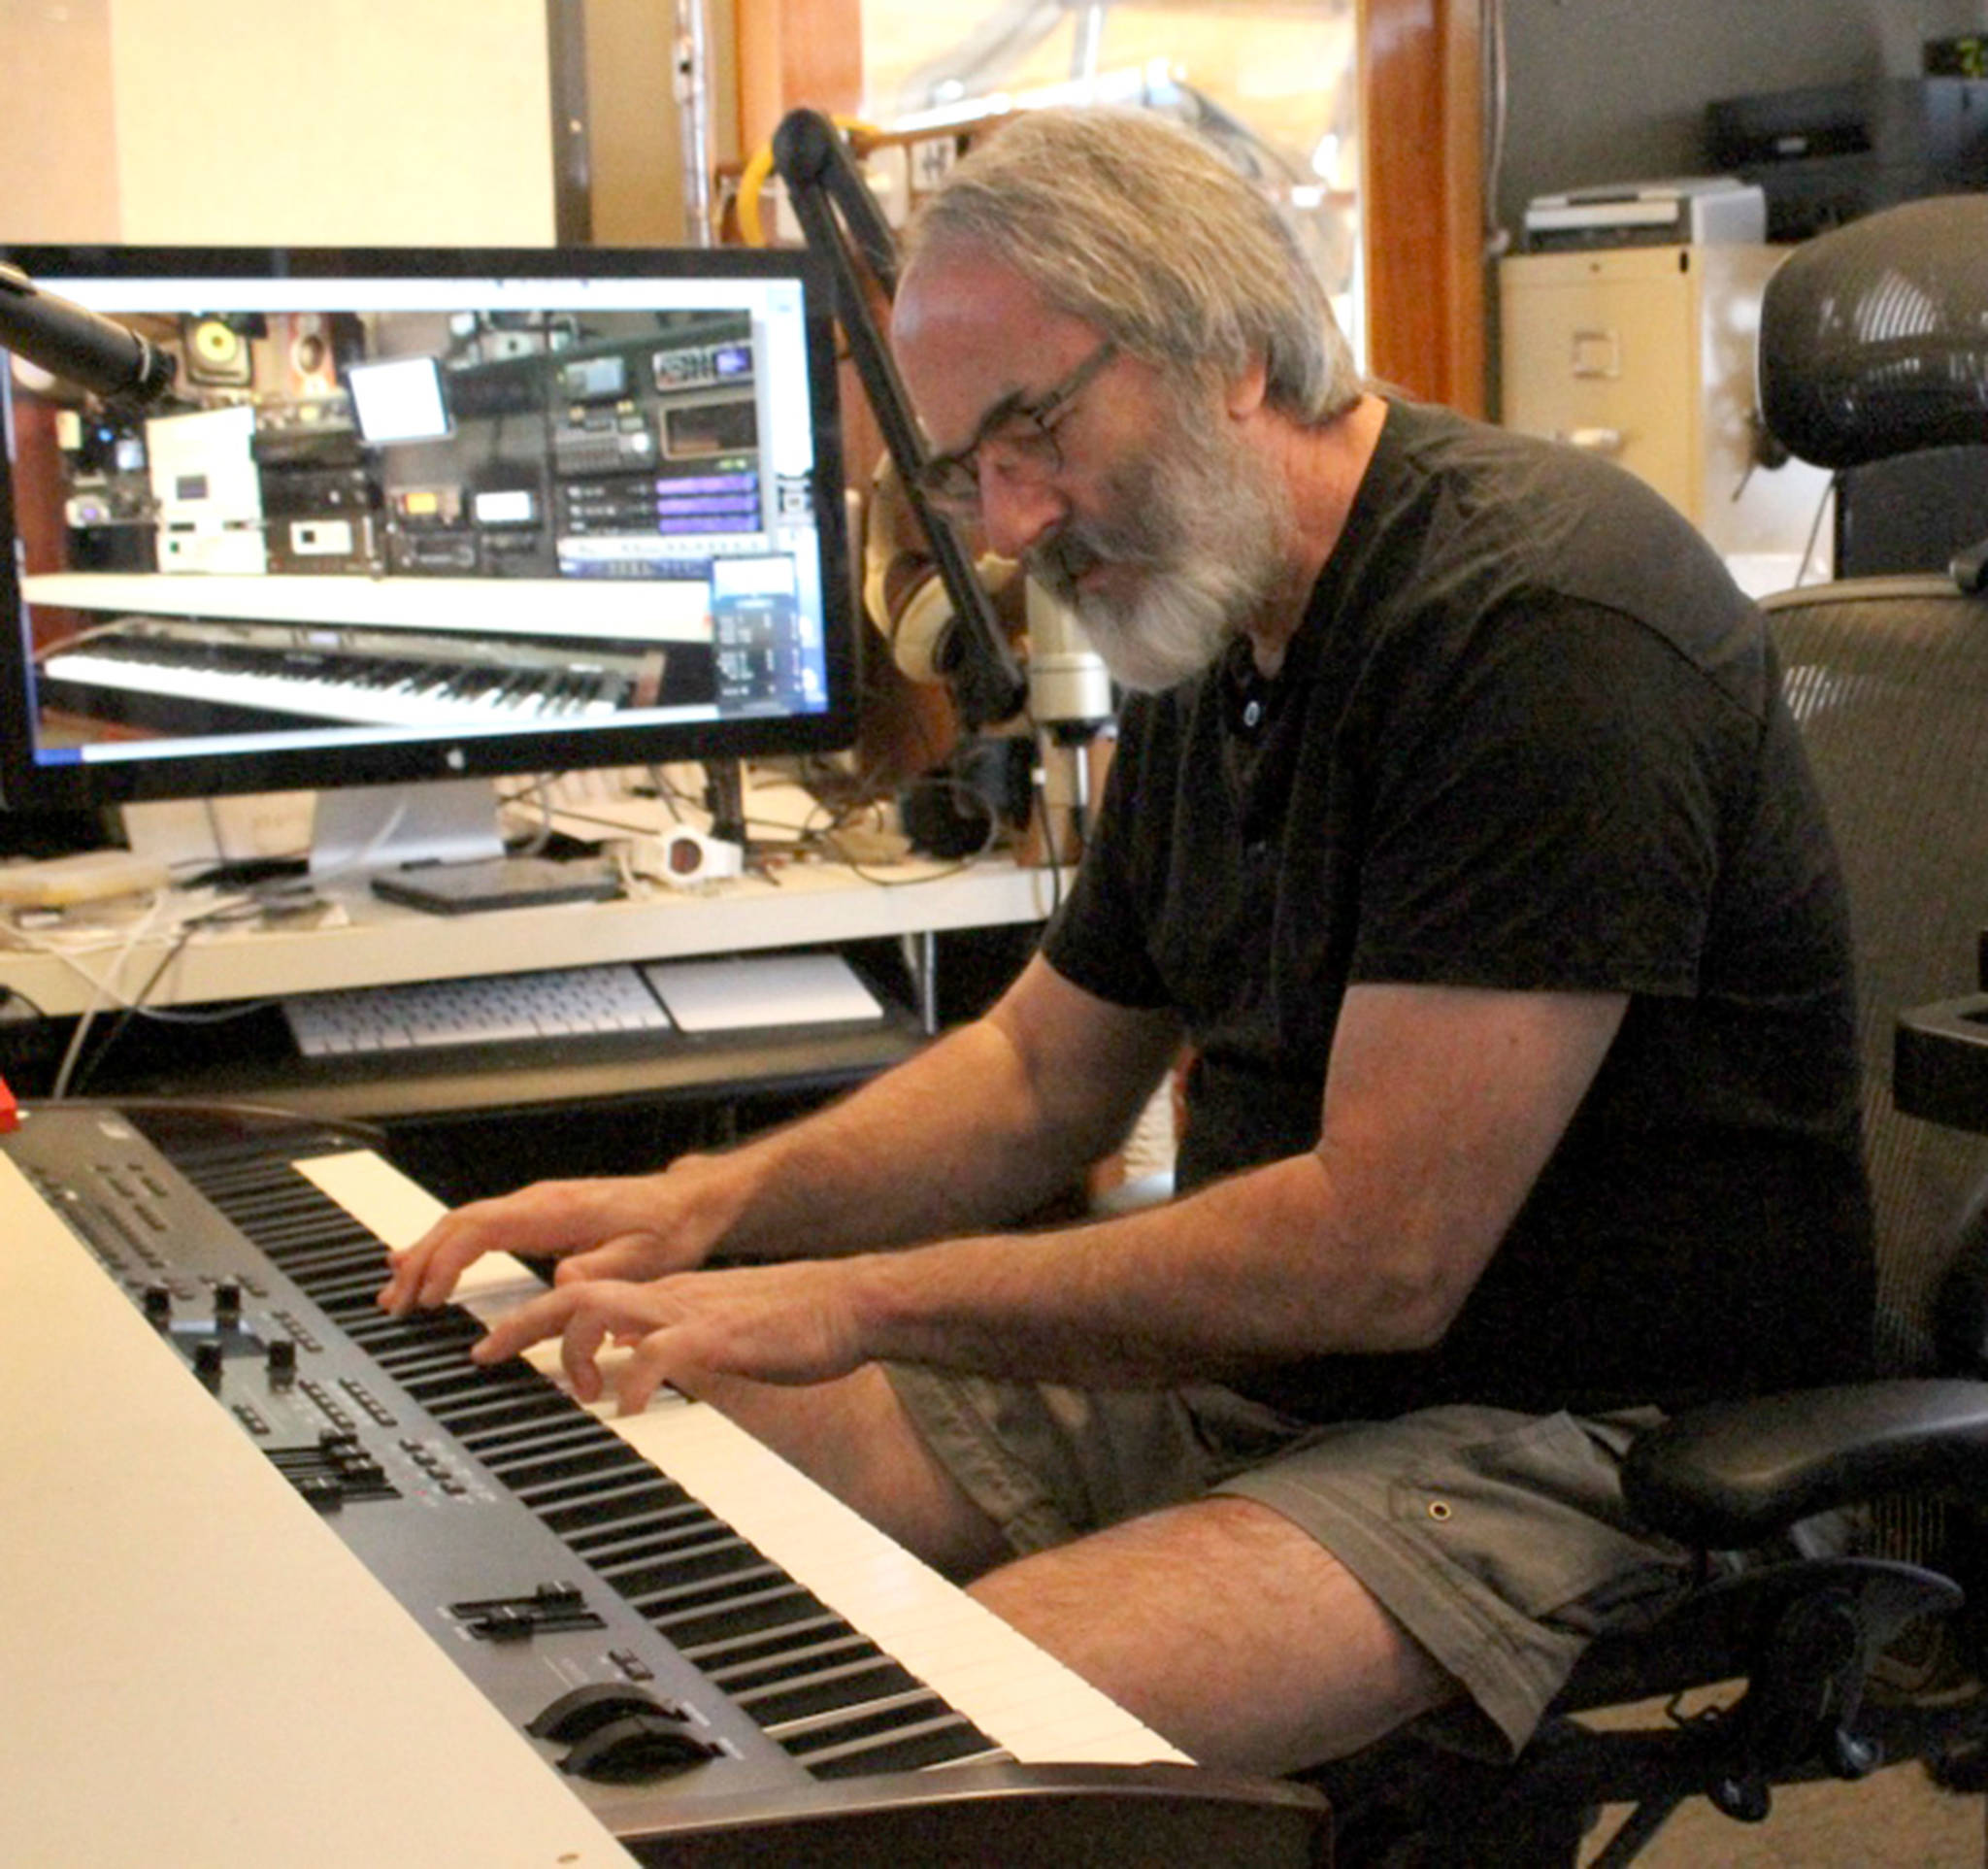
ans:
(1276, 82)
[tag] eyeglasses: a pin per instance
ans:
(1017, 437)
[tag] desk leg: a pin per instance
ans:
(921, 960)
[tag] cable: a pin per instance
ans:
(136, 1008)
(1052, 856)
(540, 791)
(103, 989)
(758, 172)
(361, 859)
(73, 1061)
(1497, 111)
(9, 994)
(71, 955)
(1816, 529)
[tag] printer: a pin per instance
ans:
(1687, 211)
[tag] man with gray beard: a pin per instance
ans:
(1460, 836)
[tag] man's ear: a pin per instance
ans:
(1246, 391)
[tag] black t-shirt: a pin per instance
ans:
(1529, 736)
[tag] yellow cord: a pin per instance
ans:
(752, 178)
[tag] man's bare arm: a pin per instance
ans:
(1440, 1107)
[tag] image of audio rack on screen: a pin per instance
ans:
(424, 510)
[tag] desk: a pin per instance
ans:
(812, 904)
(167, 1703)
(602, 1105)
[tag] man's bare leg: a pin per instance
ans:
(1228, 1630)
(1220, 1624)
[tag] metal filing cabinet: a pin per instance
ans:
(1645, 355)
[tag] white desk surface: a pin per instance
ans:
(196, 1670)
(810, 902)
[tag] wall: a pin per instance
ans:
(1616, 90)
(61, 169)
(343, 121)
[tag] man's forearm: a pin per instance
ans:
(1252, 1271)
(953, 1141)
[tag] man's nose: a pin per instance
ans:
(1017, 514)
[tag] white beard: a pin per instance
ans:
(1204, 522)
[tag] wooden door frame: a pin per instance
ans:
(1421, 196)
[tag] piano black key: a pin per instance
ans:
(654, 1534)
(715, 1557)
(527, 1478)
(755, 1660)
(497, 1445)
(604, 1514)
(715, 1616)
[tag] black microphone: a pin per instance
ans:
(80, 345)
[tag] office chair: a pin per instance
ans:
(1873, 342)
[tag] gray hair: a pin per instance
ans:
(1144, 230)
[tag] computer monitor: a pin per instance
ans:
(424, 515)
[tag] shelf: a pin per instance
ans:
(811, 903)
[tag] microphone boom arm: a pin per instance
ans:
(840, 220)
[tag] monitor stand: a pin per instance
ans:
(437, 846)
(365, 829)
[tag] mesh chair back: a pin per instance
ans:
(1888, 679)
(1874, 338)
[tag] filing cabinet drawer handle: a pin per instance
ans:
(1597, 352)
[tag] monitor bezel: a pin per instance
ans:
(26, 785)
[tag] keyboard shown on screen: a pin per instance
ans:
(560, 1002)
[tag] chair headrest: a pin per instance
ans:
(1874, 338)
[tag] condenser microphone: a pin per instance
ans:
(1070, 701)
(1070, 686)
(78, 345)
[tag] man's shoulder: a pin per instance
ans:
(1471, 519)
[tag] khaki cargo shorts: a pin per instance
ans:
(1498, 1539)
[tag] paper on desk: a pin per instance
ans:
(761, 989)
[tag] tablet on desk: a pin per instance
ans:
(497, 882)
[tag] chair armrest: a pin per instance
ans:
(1733, 1474)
